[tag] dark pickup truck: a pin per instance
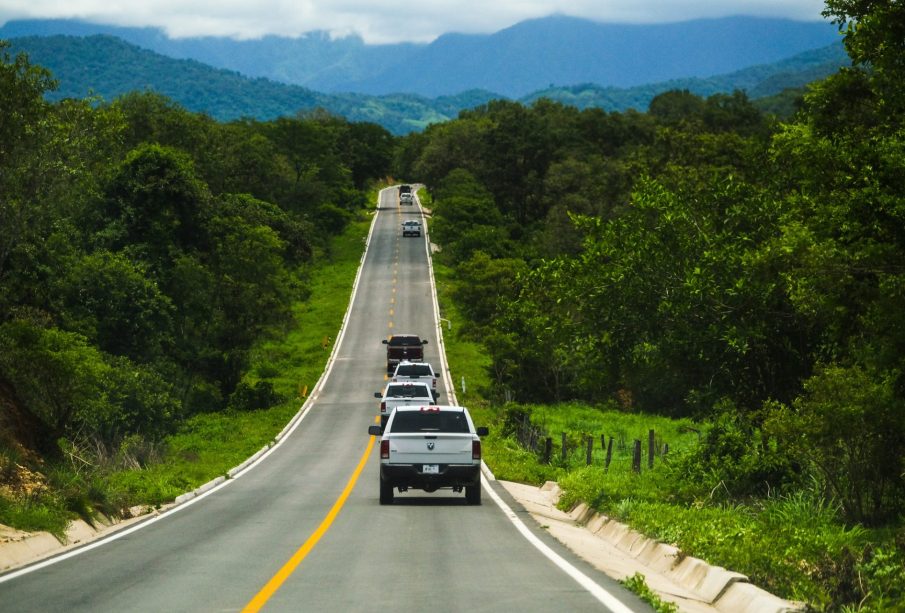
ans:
(406, 196)
(403, 347)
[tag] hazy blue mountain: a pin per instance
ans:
(531, 55)
(757, 81)
(558, 51)
(107, 67)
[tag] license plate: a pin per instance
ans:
(430, 469)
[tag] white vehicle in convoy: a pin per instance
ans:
(411, 227)
(401, 394)
(406, 195)
(416, 371)
(427, 448)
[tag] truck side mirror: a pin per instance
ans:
(378, 395)
(424, 342)
(374, 430)
(385, 341)
(482, 431)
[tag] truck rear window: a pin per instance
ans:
(414, 370)
(404, 341)
(407, 391)
(418, 421)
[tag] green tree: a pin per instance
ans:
(153, 207)
(875, 40)
(849, 426)
(112, 302)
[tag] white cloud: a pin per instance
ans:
(381, 21)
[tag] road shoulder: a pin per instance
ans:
(619, 552)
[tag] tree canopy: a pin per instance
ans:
(144, 249)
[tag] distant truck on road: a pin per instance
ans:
(403, 347)
(403, 394)
(405, 194)
(417, 371)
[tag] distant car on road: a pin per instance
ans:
(411, 227)
(417, 371)
(401, 347)
(396, 395)
(405, 194)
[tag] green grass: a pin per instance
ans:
(295, 361)
(638, 585)
(469, 357)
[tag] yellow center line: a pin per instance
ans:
(278, 579)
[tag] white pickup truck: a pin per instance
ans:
(416, 371)
(401, 394)
(428, 448)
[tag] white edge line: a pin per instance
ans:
(601, 594)
(447, 377)
(605, 598)
(189, 498)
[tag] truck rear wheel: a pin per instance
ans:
(386, 492)
(473, 493)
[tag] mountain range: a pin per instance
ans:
(535, 54)
(105, 65)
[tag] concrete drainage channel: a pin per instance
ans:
(617, 550)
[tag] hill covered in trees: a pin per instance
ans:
(512, 62)
(107, 67)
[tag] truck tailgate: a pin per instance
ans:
(439, 448)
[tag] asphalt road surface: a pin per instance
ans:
(302, 530)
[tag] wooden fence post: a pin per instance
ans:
(636, 456)
(650, 448)
(665, 448)
(590, 449)
(548, 449)
(565, 451)
(609, 454)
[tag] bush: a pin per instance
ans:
(734, 458)
(849, 429)
(255, 397)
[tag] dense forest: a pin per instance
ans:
(703, 260)
(144, 250)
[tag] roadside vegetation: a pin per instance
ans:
(169, 288)
(705, 271)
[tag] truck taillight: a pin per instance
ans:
(385, 449)
(383, 407)
(475, 450)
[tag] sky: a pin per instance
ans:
(383, 21)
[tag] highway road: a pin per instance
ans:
(302, 529)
